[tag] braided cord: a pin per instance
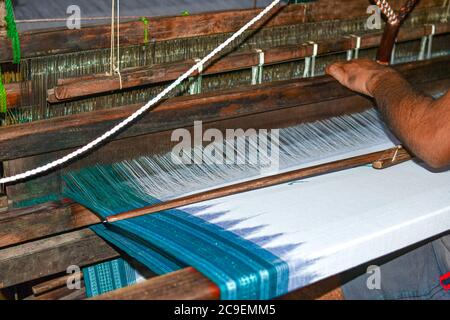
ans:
(390, 14)
(387, 10)
(407, 8)
(143, 109)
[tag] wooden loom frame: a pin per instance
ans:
(31, 224)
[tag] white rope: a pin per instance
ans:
(141, 110)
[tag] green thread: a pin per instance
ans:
(145, 21)
(12, 32)
(3, 101)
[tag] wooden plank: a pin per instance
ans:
(21, 225)
(135, 77)
(186, 284)
(62, 40)
(2, 18)
(50, 256)
(67, 132)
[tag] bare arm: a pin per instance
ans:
(420, 122)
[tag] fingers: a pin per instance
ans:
(337, 71)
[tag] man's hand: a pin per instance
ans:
(421, 123)
(359, 75)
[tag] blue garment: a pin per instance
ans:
(413, 276)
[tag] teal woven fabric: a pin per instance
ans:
(157, 262)
(108, 276)
(172, 239)
(240, 268)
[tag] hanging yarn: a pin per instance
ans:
(3, 101)
(145, 21)
(115, 56)
(12, 33)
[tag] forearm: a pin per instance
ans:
(417, 120)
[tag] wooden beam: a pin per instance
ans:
(2, 18)
(62, 40)
(185, 284)
(60, 133)
(69, 89)
(21, 225)
(50, 256)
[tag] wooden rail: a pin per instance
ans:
(61, 40)
(22, 225)
(51, 256)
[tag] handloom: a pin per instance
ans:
(257, 244)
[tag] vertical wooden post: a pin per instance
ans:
(2, 17)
